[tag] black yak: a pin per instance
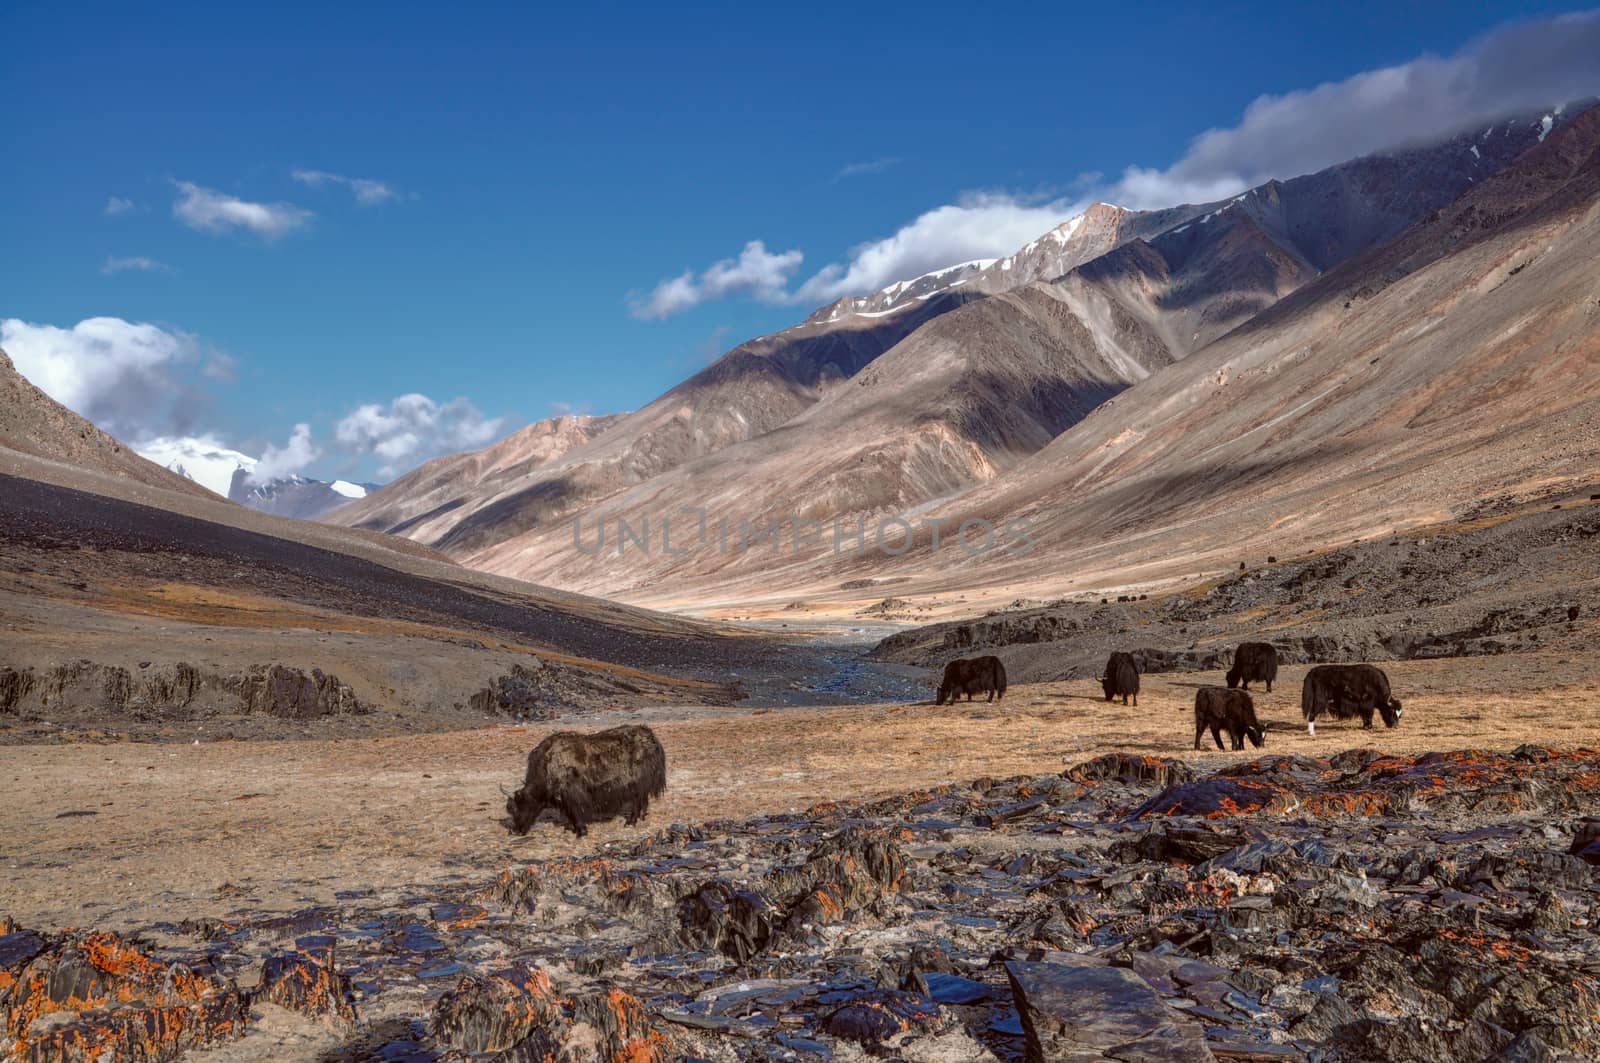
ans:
(1121, 677)
(1347, 690)
(1218, 709)
(1253, 661)
(969, 676)
(591, 777)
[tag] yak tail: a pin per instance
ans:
(1309, 698)
(999, 678)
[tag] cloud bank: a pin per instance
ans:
(1519, 67)
(413, 429)
(127, 377)
(217, 212)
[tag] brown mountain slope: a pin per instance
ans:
(1457, 362)
(33, 423)
(122, 565)
(425, 493)
(755, 388)
(956, 403)
(973, 392)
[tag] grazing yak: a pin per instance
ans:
(591, 777)
(1218, 709)
(1347, 690)
(1122, 677)
(969, 676)
(1253, 661)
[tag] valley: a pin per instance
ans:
(258, 733)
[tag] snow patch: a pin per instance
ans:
(348, 489)
(202, 459)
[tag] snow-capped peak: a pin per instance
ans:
(202, 459)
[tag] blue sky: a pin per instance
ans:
(534, 175)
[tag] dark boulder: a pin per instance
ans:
(1072, 1013)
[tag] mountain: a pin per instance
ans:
(227, 472)
(111, 565)
(419, 503)
(295, 496)
(756, 387)
(35, 425)
(981, 387)
(203, 460)
(1456, 364)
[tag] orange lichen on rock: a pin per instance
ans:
(128, 1004)
(300, 983)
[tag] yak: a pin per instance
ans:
(591, 777)
(1121, 677)
(1253, 661)
(1344, 691)
(969, 676)
(1219, 709)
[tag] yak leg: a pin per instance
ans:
(1216, 734)
(1136, 701)
(1311, 728)
(1199, 732)
(1269, 686)
(991, 694)
(1238, 739)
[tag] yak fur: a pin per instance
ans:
(1344, 691)
(1121, 677)
(591, 777)
(1254, 661)
(1218, 709)
(969, 676)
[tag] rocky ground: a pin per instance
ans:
(1351, 907)
(1504, 582)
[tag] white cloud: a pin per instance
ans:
(217, 212)
(413, 429)
(117, 205)
(1518, 67)
(862, 169)
(982, 225)
(293, 457)
(368, 192)
(135, 262)
(127, 377)
(755, 272)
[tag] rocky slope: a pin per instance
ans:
(1502, 583)
(1453, 363)
(418, 501)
